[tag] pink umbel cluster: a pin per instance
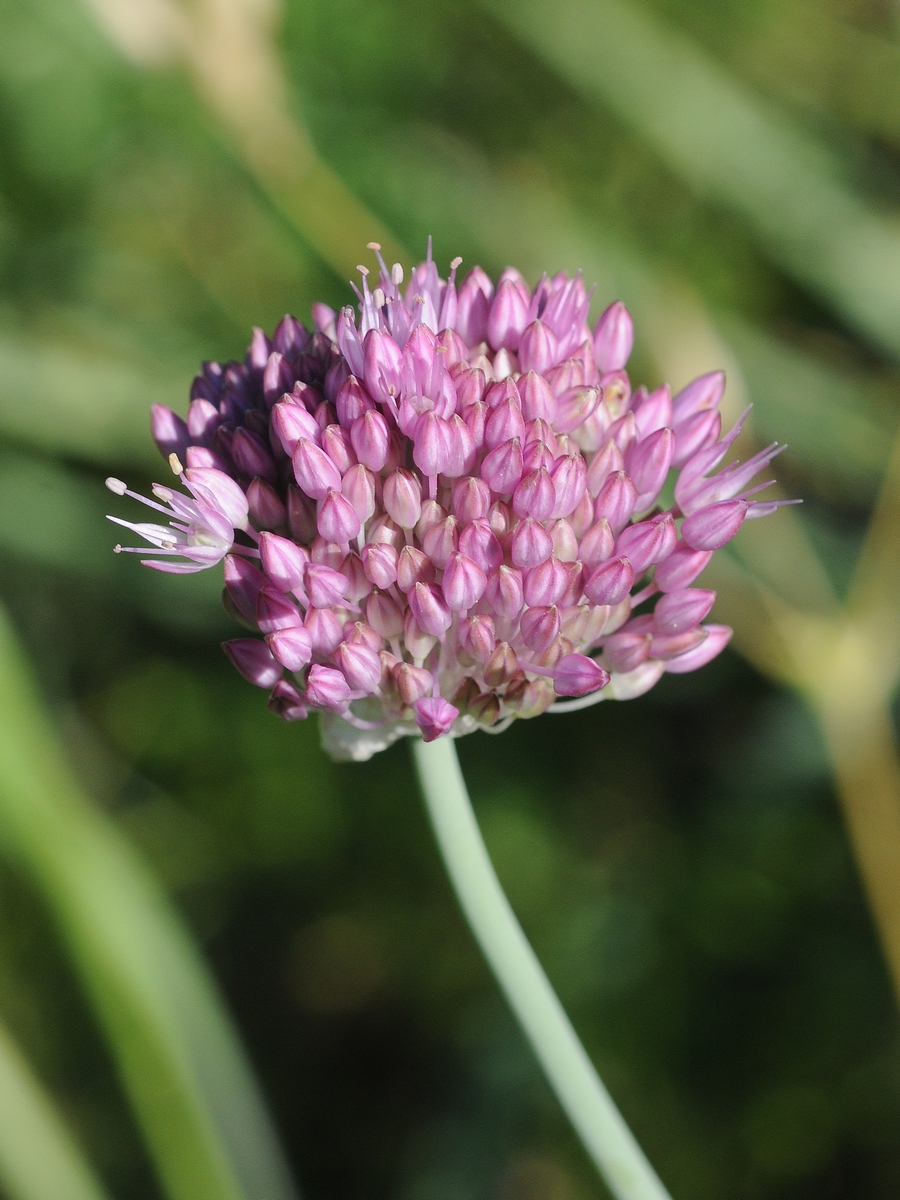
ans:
(446, 511)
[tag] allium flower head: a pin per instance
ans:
(441, 511)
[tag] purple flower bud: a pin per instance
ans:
(711, 528)
(349, 341)
(286, 701)
(278, 377)
(666, 646)
(254, 660)
(616, 501)
(413, 567)
(682, 609)
(577, 675)
(717, 638)
(508, 315)
(338, 521)
(283, 561)
(358, 585)
(538, 398)
(243, 583)
(648, 463)
(203, 419)
(290, 337)
(505, 592)
(546, 583)
(441, 540)
(169, 431)
(539, 627)
(252, 456)
(531, 544)
(384, 615)
(575, 406)
(275, 611)
(613, 338)
(502, 468)
(324, 630)
(403, 498)
(266, 510)
(647, 542)
(325, 586)
(429, 609)
(625, 651)
(435, 717)
(611, 582)
(480, 543)
(291, 646)
(314, 471)
(301, 512)
(703, 393)
(463, 584)
(681, 568)
(383, 366)
(358, 485)
(476, 636)
(471, 499)
(473, 305)
(538, 348)
(360, 665)
(326, 688)
(696, 434)
(291, 422)
(380, 564)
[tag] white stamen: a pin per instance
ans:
(117, 486)
(175, 464)
(378, 297)
(396, 274)
(457, 262)
(364, 271)
(373, 245)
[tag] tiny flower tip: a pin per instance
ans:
(116, 486)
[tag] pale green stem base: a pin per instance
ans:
(588, 1105)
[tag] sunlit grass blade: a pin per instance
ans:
(39, 1158)
(729, 145)
(178, 1058)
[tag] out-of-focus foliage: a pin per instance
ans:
(731, 171)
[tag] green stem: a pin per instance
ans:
(588, 1105)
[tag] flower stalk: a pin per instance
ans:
(588, 1105)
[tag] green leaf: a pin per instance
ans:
(178, 1056)
(729, 145)
(39, 1158)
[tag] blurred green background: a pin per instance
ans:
(172, 175)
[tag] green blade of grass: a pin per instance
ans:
(729, 145)
(39, 1158)
(178, 1057)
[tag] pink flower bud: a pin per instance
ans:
(432, 444)
(598, 543)
(266, 510)
(383, 366)
(301, 512)
(654, 411)
(681, 568)
(682, 609)
(546, 583)
(508, 315)
(476, 418)
(470, 384)
(717, 638)
(403, 498)
(565, 543)
(351, 402)
(471, 499)
(203, 419)
(278, 377)
(539, 627)
(441, 540)
(254, 660)
(535, 495)
(577, 675)
(537, 397)
(611, 582)
(501, 666)
(435, 717)
(380, 564)
(463, 584)
(538, 348)
(462, 449)
(358, 485)
(575, 406)
(314, 471)
(337, 444)
(671, 645)
(479, 542)
(613, 338)
(337, 520)
(711, 528)
(283, 561)
(531, 544)
(624, 432)
(324, 630)
(702, 393)
(384, 615)
(616, 501)
(413, 567)
(349, 341)
(504, 592)
(286, 702)
(476, 637)
(473, 305)
(292, 647)
(623, 652)
(412, 682)
(696, 433)
(370, 438)
(502, 468)
(360, 666)
(647, 542)
(325, 586)
(648, 463)
(429, 609)
(569, 484)
(504, 423)
(326, 688)
(169, 432)
(607, 461)
(358, 585)
(275, 611)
